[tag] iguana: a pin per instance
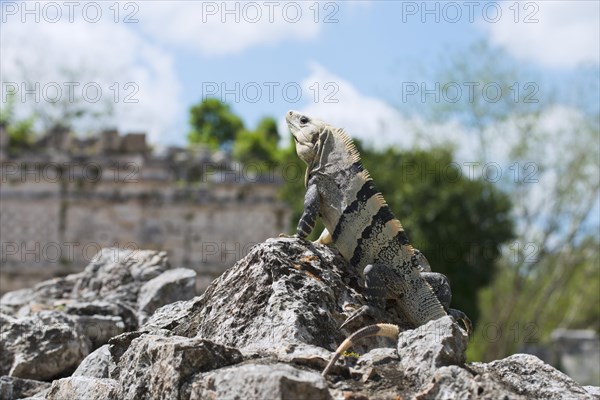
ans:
(363, 228)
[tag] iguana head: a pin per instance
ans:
(320, 145)
(306, 131)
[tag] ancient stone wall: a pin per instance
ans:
(58, 210)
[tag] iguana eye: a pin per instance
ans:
(304, 119)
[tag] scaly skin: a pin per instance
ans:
(363, 228)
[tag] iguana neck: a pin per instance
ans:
(336, 154)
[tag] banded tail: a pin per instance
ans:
(387, 330)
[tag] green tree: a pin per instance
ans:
(267, 127)
(259, 146)
(21, 134)
(213, 123)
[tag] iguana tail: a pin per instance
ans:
(388, 330)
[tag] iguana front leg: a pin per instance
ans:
(311, 212)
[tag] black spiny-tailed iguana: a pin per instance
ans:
(361, 225)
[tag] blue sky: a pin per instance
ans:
(170, 51)
(153, 59)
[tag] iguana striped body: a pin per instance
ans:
(361, 225)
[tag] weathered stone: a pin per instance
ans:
(126, 314)
(593, 390)
(170, 286)
(83, 387)
(118, 274)
(256, 381)
(11, 302)
(436, 344)
(374, 361)
(529, 376)
(262, 330)
(454, 382)
(44, 346)
(166, 365)
(283, 291)
(99, 328)
(12, 388)
(171, 315)
(96, 364)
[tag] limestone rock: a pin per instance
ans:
(12, 388)
(284, 290)
(96, 364)
(155, 364)
(83, 387)
(118, 274)
(264, 329)
(44, 346)
(50, 328)
(436, 344)
(529, 376)
(256, 381)
(454, 382)
(170, 286)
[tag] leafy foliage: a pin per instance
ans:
(213, 123)
(21, 134)
(260, 146)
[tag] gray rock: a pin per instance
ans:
(264, 329)
(99, 328)
(96, 364)
(44, 346)
(125, 312)
(155, 364)
(454, 382)
(527, 375)
(436, 344)
(12, 388)
(171, 315)
(118, 274)
(282, 292)
(11, 302)
(593, 390)
(169, 287)
(374, 362)
(256, 381)
(83, 388)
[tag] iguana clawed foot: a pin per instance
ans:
(462, 317)
(363, 311)
(294, 236)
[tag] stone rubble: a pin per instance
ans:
(263, 330)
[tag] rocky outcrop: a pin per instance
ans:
(48, 330)
(266, 328)
(17, 388)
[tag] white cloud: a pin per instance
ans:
(367, 118)
(566, 32)
(106, 54)
(220, 28)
